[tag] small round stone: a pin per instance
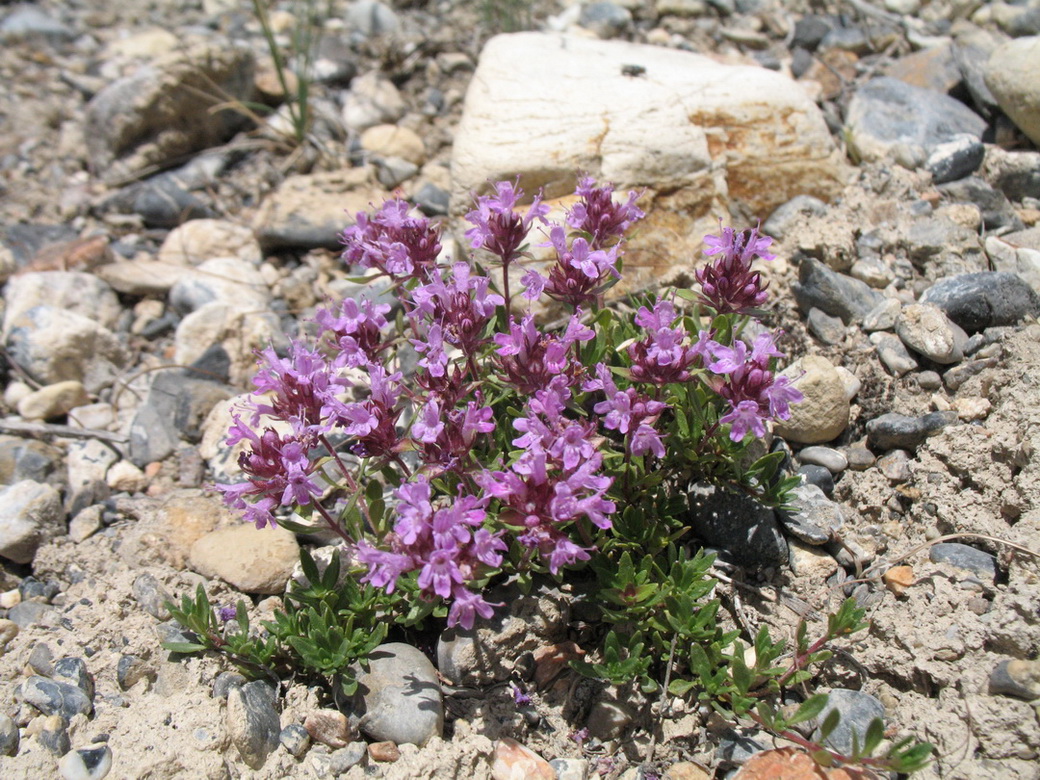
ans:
(92, 764)
(295, 739)
(829, 458)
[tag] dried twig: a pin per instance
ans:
(66, 431)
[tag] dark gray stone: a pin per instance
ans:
(860, 458)
(958, 375)
(815, 519)
(893, 353)
(56, 698)
(955, 159)
(32, 589)
(965, 557)
(152, 596)
(295, 739)
(997, 211)
(29, 459)
(972, 57)
(54, 735)
(225, 681)
(605, 19)
(736, 747)
(980, 300)
(74, 672)
(1025, 22)
(152, 436)
(737, 523)
(253, 722)
(819, 476)
(29, 613)
(857, 710)
(131, 669)
(889, 113)
(1017, 175)
(833, 293)
(354, 754)
(41, 659)
(9, 736)
(828, 329)
(852, 39)
(898, 431)
(399, 696)
(810, 30)
(432, 200)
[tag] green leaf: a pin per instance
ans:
(875, 733)
(184, 647)
(829, 724)
(680, 687)
(809, 709)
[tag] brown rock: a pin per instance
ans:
(793, 764)
(551, 660)
(252, 560)
(513, 761)
(898, 579)
(686, 770)
(329, 727)
(386, 752)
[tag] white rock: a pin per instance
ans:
(199, 240)
(53, 400)
(372, 100)
(224, 280)
(82, 293)
(926, 329)
(124, 475)
(824, 413)
(1013, 76)
(142, 277)
(55, 345)
(30, 514)
(696, 133)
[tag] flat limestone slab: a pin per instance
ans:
(702, 137)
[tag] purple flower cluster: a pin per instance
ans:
(392, 241)
(448, 546)
(665, 355)
(497, 227)
(598, 215)
(629, 412)
(754, 392)
(728, 284)
(529, 359)
(555, 482)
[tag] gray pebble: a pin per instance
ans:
(32, 589)
(812, 474)
(74, 671)
(736, 747)
(965, 557)
(997, 211)
(343, 759)
(225, 681)
(432, 200)
(605, 19)
(979, 300)
(152, 596)
(833, 293)
(295, 739)
(56, 698)
(892, 353)
(28, 613)
(958, 375)
(86, 764)
(253, 722)
(54, 735)
(816, 518)
(898, 431)
(929, 380)
(9, 736)
(857, 710)
(401, 696)
(955, 159)
(860, 458)
(895, 465)
(783, 217)
(883, 316)
(829, 458)
(130, 670)
(737, 523)
(1016, 678)
(41, 659)
(828, 329)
